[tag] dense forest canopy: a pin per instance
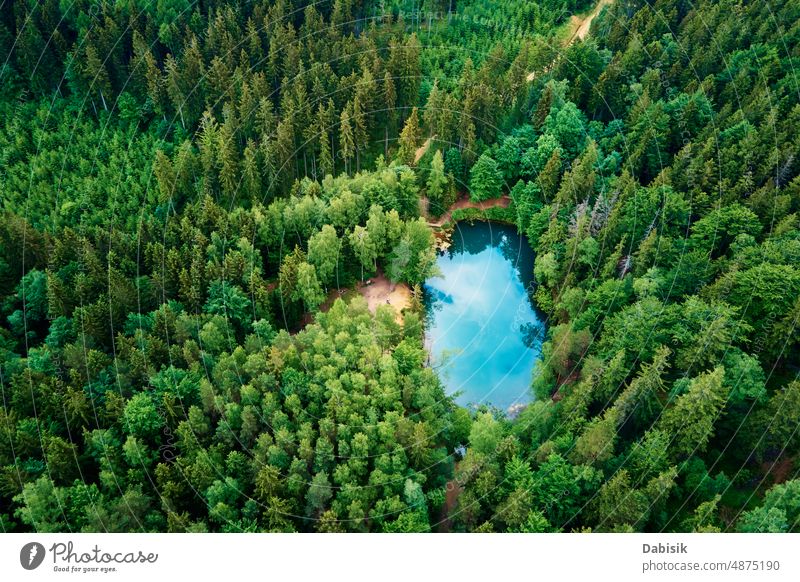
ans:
(189, 188)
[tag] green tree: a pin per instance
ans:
(691, 419)
(438, 189)
(323, 252)
(347, 140)
(779, 513)
(319, 493)
(485, 181)
(364, 248)
(410, 139)
(308, 289)
(141, 417)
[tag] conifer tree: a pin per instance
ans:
(347, 143)
(409, 139)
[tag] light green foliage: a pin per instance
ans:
(413, 258)
(779, 513)
(438, 186)
(691, 420)
(324, 253)
(308, 289)
(141, 416)
(485, 434)
(363, 246)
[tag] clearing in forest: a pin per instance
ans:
(379, 290)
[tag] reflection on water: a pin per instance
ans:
(483, 332)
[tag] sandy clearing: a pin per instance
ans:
(381, 291)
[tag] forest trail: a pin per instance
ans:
(452, 490)
(584, 24)
(422, 149)
(465, 202)
(580, 30)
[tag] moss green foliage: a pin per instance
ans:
(186, 188)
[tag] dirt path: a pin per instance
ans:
(452, 490)
(379, 290)
(465, 202)
(580, 29)
(422, 149)
(586, 23)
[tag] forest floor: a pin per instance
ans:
(379, 290)
(465, 202)
(452, 491)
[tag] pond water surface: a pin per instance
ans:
(483, 332)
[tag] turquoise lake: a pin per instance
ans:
(483, 332)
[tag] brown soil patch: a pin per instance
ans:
(452, 490)
(583, 29)
(465, 202)
(780, 471)
(379, 290)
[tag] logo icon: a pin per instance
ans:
(31, 555)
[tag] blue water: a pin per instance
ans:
(483, 332)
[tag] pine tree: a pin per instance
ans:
(639, 403)
(228, 160)
(97, 76)
(437, 185)
(251, 173)
(543, 106)
(550, 177)
(360, 134)
(218, 84)
(366, 95)
(409, 138)
(694, 414)
(346, 138)
(325, 157)
(266, 123)
(485, 181)
(433, 109)
(209, 142)
(285, 151)
(165, 175)
(185, 84)
(390, 100)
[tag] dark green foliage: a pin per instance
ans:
(186, 186)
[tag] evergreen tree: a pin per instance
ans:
(485, 181)
(409, 139)
(347, 144)
(438, 186)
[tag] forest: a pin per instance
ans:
(191, 191)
